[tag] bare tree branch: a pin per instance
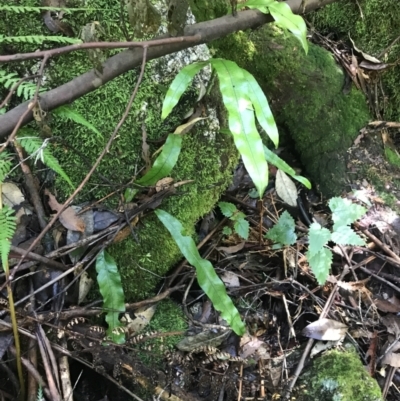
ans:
(204, 32)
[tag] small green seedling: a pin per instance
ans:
(240, 224)
(319, 257)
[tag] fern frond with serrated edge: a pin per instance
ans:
(68, 112)
(33, 145)
(7, 230)
(5, 165)
(39, 39)
(27, 89)
(25, 9)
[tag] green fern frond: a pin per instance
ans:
(26, 89)
(7, 230)
(39, 396)
(38, 39)
(5, 165)
(67, 112)
(27, 9)
(34, 146)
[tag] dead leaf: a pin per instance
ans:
(325, 330)
(285, 188)
(85, 284)
(142, 318)
(392, 357)
(230, 279)
(386, 306)
(185, 128)
(164, 183)
(11, 194)
(392, 324)
(232, 249)
(251, 346)
(68, 217)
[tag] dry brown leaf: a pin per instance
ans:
(164, 183)
(230, 279)
(232, 249)
(68, 217)
(386, 306)
(392, 358)
(325, 330)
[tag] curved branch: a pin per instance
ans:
(202, 32)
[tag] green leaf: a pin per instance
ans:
(344, 212)
(263, 112)
(258, 4)
(227, 231)
(165, 161)
(7, 230)
(227, 208)
(275, 160)
(111, 290)
(283, 231)
(208, 280)
(179, 85)
(345, 235)
(234, 90)
(35, 146)
(129, 194)
(318, 237)
(320, 264)
(69, 113)
(285, 18)
(242, 228)
(5, 165)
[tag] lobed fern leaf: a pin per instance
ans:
(26, 89)
(7, 230)
(38, 39)
(34, 146)
(5, 165)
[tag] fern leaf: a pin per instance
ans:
(27, 89)
(7, 230)
(38, 39)
(34, 146)
(67, 112)
(5, 165)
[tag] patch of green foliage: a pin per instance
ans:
(338, 375)
(319, 257)
(240, 224)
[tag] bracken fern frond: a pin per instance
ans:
(26, 89)
(35, 146)
(7, 230)
(38, 39)
(5, 165)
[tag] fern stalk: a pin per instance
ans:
(13, 318)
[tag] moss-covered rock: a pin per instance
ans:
(373, 25)
(305, 94)
(338, 376)
(207, 158)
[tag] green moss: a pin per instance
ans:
(392, 157)
(373, 25)
(339, 376)
(207, 158)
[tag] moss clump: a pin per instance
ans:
(339, 376)
(392, 157)
(373, 25)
